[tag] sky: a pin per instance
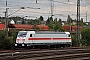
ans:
(61, 8)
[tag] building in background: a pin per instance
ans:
(2, 26)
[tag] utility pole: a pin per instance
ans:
(78, 21)
(52, 5)
(6, 17)
(86, 17)
(70, 21)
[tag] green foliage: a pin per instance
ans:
(4, 40)
(85, 38)
(51, 26)
(51, 19)
(83, 42)
(30, 22)
(82, 24)
(74, 41)
(86, 35)
(7, 42)
(33, 22)
(55, 25)
(41, 18)
(60, 21)
(13, 38)
(36, 28)
(81, 19)
(48, 21)
(23, 22)
(14, 35)
(69, 19)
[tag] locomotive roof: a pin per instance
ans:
(46, 32)
(49, 32)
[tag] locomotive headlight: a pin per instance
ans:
(27, 45)
(22, 44)
(15, 44)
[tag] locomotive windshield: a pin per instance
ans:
(22, 34)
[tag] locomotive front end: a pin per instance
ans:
(21, 39)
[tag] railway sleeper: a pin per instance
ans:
(41, 54)
(61, 57)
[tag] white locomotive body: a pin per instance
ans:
(31, 38)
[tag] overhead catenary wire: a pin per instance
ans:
(42, 4)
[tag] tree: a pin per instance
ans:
(82, 23)
(55, 26)
(69, 20)
(4, 40)
(41, 18)
(74, 41)
(51, 19)
(86, 36)
(81, 19)
(60, 21)
(23, 21)
(48, 21)
(51, 26)
(14, 36)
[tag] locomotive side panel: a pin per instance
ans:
(30, 36)
(48, 38)
(51, 39)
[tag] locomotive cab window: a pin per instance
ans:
(68, 35)
(30, 35)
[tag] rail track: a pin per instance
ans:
(36, 49)
(47, 54)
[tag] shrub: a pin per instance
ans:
(4, 40)
(7, 42)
